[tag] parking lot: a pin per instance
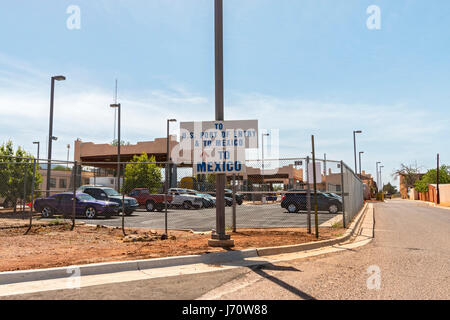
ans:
(247, 216)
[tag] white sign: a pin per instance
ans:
(218, 146)
(318, 172)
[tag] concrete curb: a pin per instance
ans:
(133, 265)
(317, 244)
(428, 203)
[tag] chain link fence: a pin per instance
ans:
(271, 193)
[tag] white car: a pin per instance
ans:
(182, 199)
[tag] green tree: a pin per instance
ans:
(410, 175)
(431, 178)
(139, 174)
(122, 142)
(389, 188)
(13, 166)
(60, 168)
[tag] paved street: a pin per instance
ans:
(411, 249)
(249, 215)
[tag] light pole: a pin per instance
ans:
(168, 175)
(262, 142)
(50, 130)
(68, 149)
(378, 180)
(354, 148)
(38, 146)
(117, 105)
(360, 171)
(381, 179)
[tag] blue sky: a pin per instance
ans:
(300, 66)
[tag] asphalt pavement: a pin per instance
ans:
(247, 216)
(408, 259)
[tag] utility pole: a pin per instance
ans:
(117, 105)
(220, 238)
(438, 200)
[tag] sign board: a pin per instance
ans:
(318, 172)
(219, 146)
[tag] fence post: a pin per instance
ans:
(234, 202)
(32, 196)
(166, 194)
(123, 198)
(342, 194)
(24, 200)
(308, 195)
(74, 190)
(316, 217)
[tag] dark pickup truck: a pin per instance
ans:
(151, 202)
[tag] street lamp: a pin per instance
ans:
(378, 181)
(68, 149)
(262, 142)
(381, 178)
(117, 105)
(50, 130)
(360, 171)
(354, 148)
(168, 159)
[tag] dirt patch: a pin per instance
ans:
(55, 245)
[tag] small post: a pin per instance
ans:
(308, 196)
(32, 197)
(234, 202)
(316, 218)
(166, 194)
(438, 200)
(74, 191)
(342, 194)
(24, 201)
(123, 204)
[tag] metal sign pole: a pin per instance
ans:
(234, 202)
(308, 195)
(342, 194)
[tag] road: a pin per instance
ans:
(411, 251)
(248, 216)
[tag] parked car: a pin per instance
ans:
(208, 200)
(85, 205)
(181, 198)
(151, 202)
(296, 201)
(333, 195)
(229, 195)
(109, 194)
(6, 203)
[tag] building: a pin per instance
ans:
(61, 180)
(431, 195)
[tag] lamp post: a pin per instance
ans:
(50, 129)
(360, 171)
(381, 180)
(168, 158)
(262, 142)
(117, 105)
(38, 146)
(354, 148)
(68, 149)
(378, 180)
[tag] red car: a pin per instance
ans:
(151, 202)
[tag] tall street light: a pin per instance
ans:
(168, 158)
(68, 149)
(50, 130)
(378, 180)
(381, 178)
(360, 171)
(117, 105)
(262, 142)
(354, 148)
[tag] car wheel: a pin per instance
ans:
(333, 209)
(150, 206)
(90, 212)
(239, 202)
(292, 208)
(46, 212)
(187, 205)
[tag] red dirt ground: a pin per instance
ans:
(55, 245)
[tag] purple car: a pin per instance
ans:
(86, 205)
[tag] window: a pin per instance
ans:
(86, 181)
(52, 182)
(62, 183)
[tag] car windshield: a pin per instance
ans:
(85, 197)
(111, 192)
